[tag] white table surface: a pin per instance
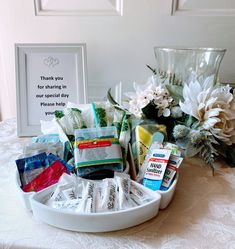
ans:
(201, 215)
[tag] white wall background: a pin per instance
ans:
(118, 47)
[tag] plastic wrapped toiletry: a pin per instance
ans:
(123, 189)
(48, 147)
(175, 150)
(103, 114)
(68, 188)
(48, 177)
(155, 171)
(97, 149)
(171, 170)
(139, 196)
(48, 138)
(30, 167)
(52, 158)
(142, 170)
(107, 198)
(87, 204)
(69, 120)
(144, 136)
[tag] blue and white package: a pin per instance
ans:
(155, 170)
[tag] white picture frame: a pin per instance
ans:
(47, 77)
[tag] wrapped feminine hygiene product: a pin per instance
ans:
(97, 149)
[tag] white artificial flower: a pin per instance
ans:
(151, 92)
(213, 106)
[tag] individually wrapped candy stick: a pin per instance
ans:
(138, 195)
(87, 204)
(108, 200)
(71, 205)
(68, 188)
(123, 187)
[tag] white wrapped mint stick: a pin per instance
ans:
(70, 205)
(123, 189)
(138, 195)
(87, 204)
(107, 199)
(68, 188)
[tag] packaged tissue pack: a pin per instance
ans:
(97, 149)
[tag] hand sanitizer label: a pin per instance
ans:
(156, 168)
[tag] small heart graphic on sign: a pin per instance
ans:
(51, 62)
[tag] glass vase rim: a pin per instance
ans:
(203, 49)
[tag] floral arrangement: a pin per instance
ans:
(199, 116)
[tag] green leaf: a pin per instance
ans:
(154, 71)
(110, 98)
(59, 114)
(176, 92)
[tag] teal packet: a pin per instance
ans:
(97, 149)
(48, 138)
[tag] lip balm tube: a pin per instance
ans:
(156, 168)
(123, 189)
(172, 168)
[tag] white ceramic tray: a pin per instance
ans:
(94, 222)
(166, 196)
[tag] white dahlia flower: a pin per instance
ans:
(213, 106)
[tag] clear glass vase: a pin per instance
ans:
(181, 65)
